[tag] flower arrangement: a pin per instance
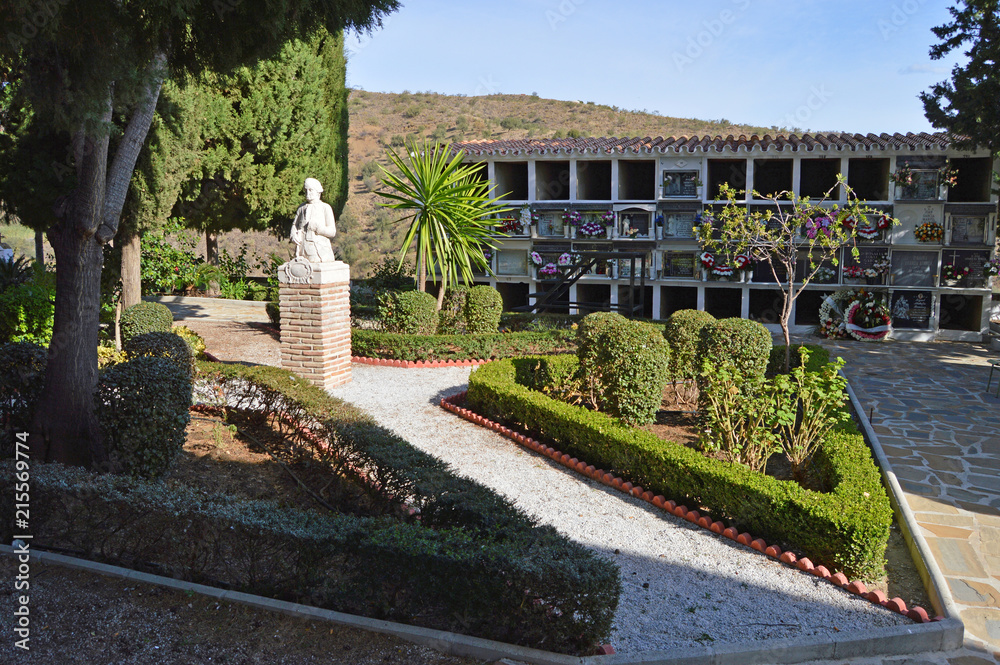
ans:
(572, 218)
(902, 176)
(741, 261)
(831, 314)
(992, 267)
(929, 232)
(868, 230)
(707, 260)
(722, 271)
(871, 273)
(882, 266)
(824, 274)
(821, 224)
(867, 318)
(566, 259)
(510, 225)
(853, 272)
(951, 271)
(591, 229)
(536, 258)
(658, 220)
(631, 232)
(608, 218)
(948, 176)
(488, 255)
(549, 270)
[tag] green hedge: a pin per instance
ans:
(408, 312)
(144, 317)
(22, 374)
(535, 587)
(847, 527)
(483, 307)
(398, 346)
(682, 332)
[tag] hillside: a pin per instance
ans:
(382, 120)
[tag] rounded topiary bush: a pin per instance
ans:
(408, 312)
(161, 345)
(142, 406)
(451, 319)
(194, 341)
(22, 370)
(273, 310)
(741, 346)
(483, 308)
(588, 335)
(145, 317)
(682, 332)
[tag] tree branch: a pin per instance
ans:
(128, 150)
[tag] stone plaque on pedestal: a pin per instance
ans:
(316, 321)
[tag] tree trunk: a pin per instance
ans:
(421, 274)
(39, 248)
(212, 247)
(65, 428)
(131, 268)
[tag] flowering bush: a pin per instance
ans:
(950, 271)
(820, 224)
(929, 232)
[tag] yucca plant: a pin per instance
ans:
(15, 271)
(450, 211)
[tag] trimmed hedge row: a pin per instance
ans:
(534, 587)
(847, 527)
(483, 346)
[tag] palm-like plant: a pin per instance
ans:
(449, 209)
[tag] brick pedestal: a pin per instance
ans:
(316, 321)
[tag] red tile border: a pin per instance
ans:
(411, 364)
(858, 588)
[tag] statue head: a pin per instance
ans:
(313, 189)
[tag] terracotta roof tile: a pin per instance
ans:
(690, 144)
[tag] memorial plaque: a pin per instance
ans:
(677, 184)
(679, 224)
(913, 268)
(968, 230)
(911, 309)
(973, 260)
(924, 187)
(911, 216)
(867, 257)
(762, 273)
(679, 264)
(512, 262)
(550, 224)
(635, 221)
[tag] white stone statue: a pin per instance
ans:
(314, 225)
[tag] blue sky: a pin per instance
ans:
(839, 65)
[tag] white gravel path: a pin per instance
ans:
(682, 585)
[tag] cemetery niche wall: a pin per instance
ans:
(652, 192)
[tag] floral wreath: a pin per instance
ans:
(707, 260)
(869, 231)
(929, 232)
(831, 313)
(536, 258)
(867, 318)
(566, 259)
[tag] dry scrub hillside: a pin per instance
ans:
(383, 120)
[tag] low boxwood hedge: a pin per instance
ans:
(483, 346)
(847, 527)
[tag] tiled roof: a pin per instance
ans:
(694, 144)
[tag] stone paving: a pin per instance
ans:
(941, 432)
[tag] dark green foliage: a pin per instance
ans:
(142, 406)
(22, 370)
(846, 528)
(408, 312)
(451, 318)
(161, 345)
(26, 312)
(683, 332)
(624, 364)
(531, 322)
(482, 310)
(740, 345)
(145, 317)
(818, 356)
(273, 309)
(397, 346)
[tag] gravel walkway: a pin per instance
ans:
(682, 585)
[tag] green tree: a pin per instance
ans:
(967, 105)
(85, 68)
(449, 208)
(790, 230)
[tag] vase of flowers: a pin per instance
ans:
(853, 274)
(929, 232)
(825, 275)
(953, 275)
(903, 178)
(991, 268)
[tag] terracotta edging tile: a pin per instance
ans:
(857, 588)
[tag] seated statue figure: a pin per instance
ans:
(314, 225)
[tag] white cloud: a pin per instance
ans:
(922, 68)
